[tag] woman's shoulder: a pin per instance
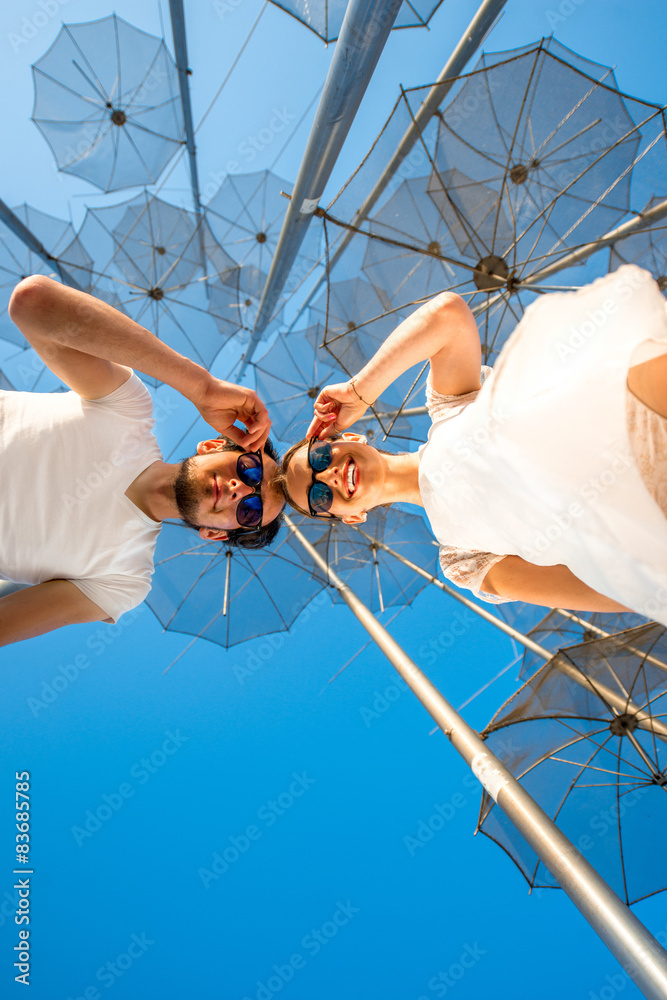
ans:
(441, 407)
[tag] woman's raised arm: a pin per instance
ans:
(442, 330)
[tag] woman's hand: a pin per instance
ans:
(221, 403)
(336, 408)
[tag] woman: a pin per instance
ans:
(548, 483)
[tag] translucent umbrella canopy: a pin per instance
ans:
(154, 261)
(17, 261)
(560, 628)
(324, 17)
(289, 378)
(108, 103)
(412, 273)
(596, 768)
(234, 303)
(375, 575)
(355, 320)
(227, 595)
(26, 369)
(246, 216)
(528, 158)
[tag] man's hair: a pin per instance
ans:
(255, 538)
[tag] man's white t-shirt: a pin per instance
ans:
(65, 463)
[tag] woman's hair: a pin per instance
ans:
(281, 478)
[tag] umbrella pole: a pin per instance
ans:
(639, 223)
(181, 52)
(19, 229)
(470, 41)
(644, 960)
(362, 38)
(620, 704)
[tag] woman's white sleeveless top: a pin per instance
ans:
(540, 465)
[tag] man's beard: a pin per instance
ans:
(186, 493)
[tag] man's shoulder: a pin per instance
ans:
(132, 389)
(131, 399)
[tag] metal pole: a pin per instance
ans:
(642, 221)
(644, 960)
(19, 229)
(470, 41)
(618, 702)
(363, 34)
(181, 53)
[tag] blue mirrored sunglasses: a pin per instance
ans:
(320, 496)
(250, 469)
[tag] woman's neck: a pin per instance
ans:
(401, 484)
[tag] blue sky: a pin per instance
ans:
(308, 792)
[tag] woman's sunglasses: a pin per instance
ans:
(320, 496)
(249, 469)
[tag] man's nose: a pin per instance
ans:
(238, 490)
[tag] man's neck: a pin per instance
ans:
(153, 491)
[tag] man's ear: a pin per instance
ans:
(213, 444)
(355, 518)
(213, 534)
(351, 436)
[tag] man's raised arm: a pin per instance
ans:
(91, 346)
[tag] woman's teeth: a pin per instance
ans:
(351, 478)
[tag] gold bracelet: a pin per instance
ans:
(356, 391)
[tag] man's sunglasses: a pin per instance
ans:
(320, 496)
(249, 469)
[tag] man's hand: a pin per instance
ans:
(336, 408)
(221, 403)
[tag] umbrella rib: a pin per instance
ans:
(118, 75)
(594, 767)
(510, 149)
(69, 90)
(603, 746)
(191, 588)
(133, 92)
(98, 85)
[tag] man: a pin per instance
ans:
(85, 488)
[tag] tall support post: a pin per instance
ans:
(625, 936)
(19, 229)
(470, 41)
(181, 52)
(363, 34)
(644, 220)
(619, 703)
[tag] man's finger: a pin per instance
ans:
(255, 440)
(234, 434)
